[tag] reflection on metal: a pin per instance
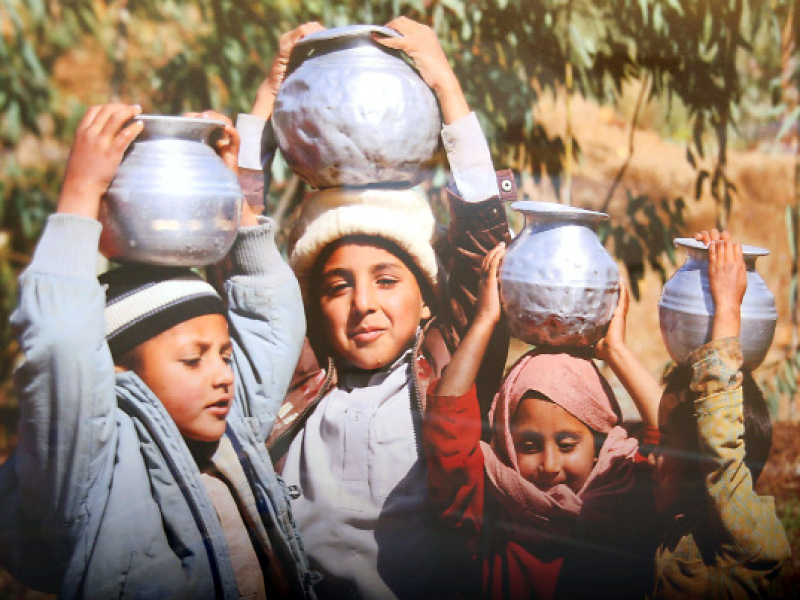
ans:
(173, 200)
(686, 309)
(559, 286)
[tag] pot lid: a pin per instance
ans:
(562, 212)
(698, 245)
(347, 31)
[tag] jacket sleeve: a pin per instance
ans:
(267, 324)
(451, 436)
(258, 148)
(65, 388)
(746, 523)
(476, 228)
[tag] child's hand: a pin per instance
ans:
(614, 339)
(102, 137)
(712, 236)
(227, 144)
(420, 43)
(727, 281)
(489, 308)
(268, 90)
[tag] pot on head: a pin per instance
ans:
(352, 112)
(558, 285)
(686, 308)
(173, 201)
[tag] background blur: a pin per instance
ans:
(670, 115)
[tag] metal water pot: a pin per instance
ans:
(173, 200)
(686, 309)
(352, 112)
(558, 285)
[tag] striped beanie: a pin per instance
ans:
(143, 301)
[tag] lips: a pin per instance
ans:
(366, 334)
(220, 408)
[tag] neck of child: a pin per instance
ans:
(202, 452)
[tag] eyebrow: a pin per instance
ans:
(344, 271)
(384, 266)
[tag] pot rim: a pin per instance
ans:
(553, 210)
(694, 244)
(346, 31)
(178, 119)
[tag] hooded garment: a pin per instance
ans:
(576, 385)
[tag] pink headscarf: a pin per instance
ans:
(577, 386)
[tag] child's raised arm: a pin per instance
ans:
(102, 137)
(420, 43)
(268, 90)
(727, 281)
(460, 374)
(632, 374)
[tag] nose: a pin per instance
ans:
(551, 462)
(364, 299)
(224, 376)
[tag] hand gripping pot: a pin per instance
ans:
(173, 201)
(558, 285)
(352, 112)
(686, 308)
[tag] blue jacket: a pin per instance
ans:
(102, 498)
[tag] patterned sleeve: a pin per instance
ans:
(747, 524)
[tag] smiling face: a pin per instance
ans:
(551, 445)
(370, 303)
(188, 368)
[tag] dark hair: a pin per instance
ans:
(757, 421)
(315, 328)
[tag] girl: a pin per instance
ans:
(556, 506)
(723, 539)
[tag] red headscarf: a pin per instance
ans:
(577, 386)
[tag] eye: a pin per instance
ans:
(228, 358)
(385, 281)
(336, 288)
(192, 363)
(567, 446)
(529, 447)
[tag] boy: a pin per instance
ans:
(128, 479)
(725, 541)
(379, 320)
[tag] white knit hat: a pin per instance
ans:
(402, 216)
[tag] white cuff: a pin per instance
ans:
(470, 160)
(250, 129)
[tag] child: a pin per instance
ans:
(350, 435)
(128, 480)
(724, 540)
(557, 505)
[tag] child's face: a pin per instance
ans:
(371, 305)
(188, 368)
(552, 446)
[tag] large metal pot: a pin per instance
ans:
(686, 309)
(352, 112)
(558, 285)
(173, 200)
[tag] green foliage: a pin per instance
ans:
(645, 237)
